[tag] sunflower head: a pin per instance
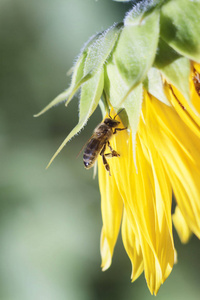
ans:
(149, 66)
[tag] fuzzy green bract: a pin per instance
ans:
(136, 49)
(180, 27)
(174, 67)
(154, 85)
(155, 42)
(89, 76)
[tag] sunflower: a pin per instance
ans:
(149, 66)
(139, 193)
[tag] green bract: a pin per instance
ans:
(156, 42)
(180, 27)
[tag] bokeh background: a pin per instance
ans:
(50, 221)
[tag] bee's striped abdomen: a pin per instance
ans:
(91, 152)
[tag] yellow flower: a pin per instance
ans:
(148, 65)
(140, 194)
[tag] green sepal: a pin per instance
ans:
(90, 96)
(165, 55)
(99, 51)
(115, 88)
(97, 54)
(180, 27)
(141, 10)
(178, 74)
(104, 103)
(136, 50)
(114, 85)
(154, 85)
(78, 72)
(102, 107)
(123, 117)
(89, 62)
(91, 93)
(133, 107)
(175, 68)
(59, 99)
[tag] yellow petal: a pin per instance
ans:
(197, 67)
(179, 148)
(153, 208)
(183, 109)
(195, 86)
(146, 213)
(111, 207)
(133, 248)
(181, 226)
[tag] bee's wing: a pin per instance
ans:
(85, 145)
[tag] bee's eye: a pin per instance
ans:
(107, 121)
(111, 122)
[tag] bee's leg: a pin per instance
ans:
(113, 152)
(118, 129)
(102, 153)
(107, 167)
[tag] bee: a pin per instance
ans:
(98, 142)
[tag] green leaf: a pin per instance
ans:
(154, 85)
(180, 27)
(136, 50)
(90, 96)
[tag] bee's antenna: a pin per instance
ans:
(118, 113)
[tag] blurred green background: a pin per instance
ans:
(50, 221)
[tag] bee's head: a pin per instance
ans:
(111, 122)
